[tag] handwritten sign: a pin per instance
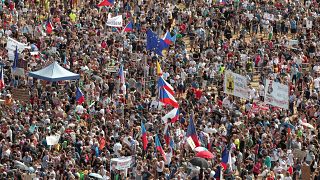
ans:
(20, 94)
(115, 21)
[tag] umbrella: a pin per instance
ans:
(307, 125)
(288, 125)
(95, 175)
(205, 154)
(202, 163)
(21, 165)
(31, 169)
(199, 149)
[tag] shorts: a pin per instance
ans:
(293, 31)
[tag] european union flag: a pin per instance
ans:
(154, 43)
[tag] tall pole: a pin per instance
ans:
(145, 75)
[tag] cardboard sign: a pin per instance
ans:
(20, 94)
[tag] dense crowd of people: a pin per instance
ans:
(274, 40)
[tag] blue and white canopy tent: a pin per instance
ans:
(53, 73)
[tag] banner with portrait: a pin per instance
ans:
(277, 94)
(235, 84)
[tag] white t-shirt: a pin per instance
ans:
(226, 103)
(317, 83)
(160, 166)
(252, 93)
(183, 75)
(261, 90)
(117, 147)
(8, 32)
(168, 157)
(277, 169)
(165, 75)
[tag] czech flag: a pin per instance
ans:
(128, 28)
(159, 148)
(106, 3)
(167, 38)
(159, 70)
(217, 174)
(49, 27)
(172, 143)
(1, 78)
(165, 85)
(174, 38)
(167, 136)
(144, 136)
(79, 96)
(191, 132)
(122, 80)
(225, 158)
(173, 115)
(167, 98)
(121, 75)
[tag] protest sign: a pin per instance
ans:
(121, 163)
(293, 42)
(20, 94)
(277, 94)
(12, 44)
(53, 140)
(115, 21)
(235, 84)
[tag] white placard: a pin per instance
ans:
(52, 140)
(12, 44)
(277, 94)
(115, 21)
(121, 163)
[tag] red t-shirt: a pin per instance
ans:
(198, 93)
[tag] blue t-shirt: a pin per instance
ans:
(293, 24)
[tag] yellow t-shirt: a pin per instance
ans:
(73, 17)
(47, 5)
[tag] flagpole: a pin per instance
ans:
(145, 75)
